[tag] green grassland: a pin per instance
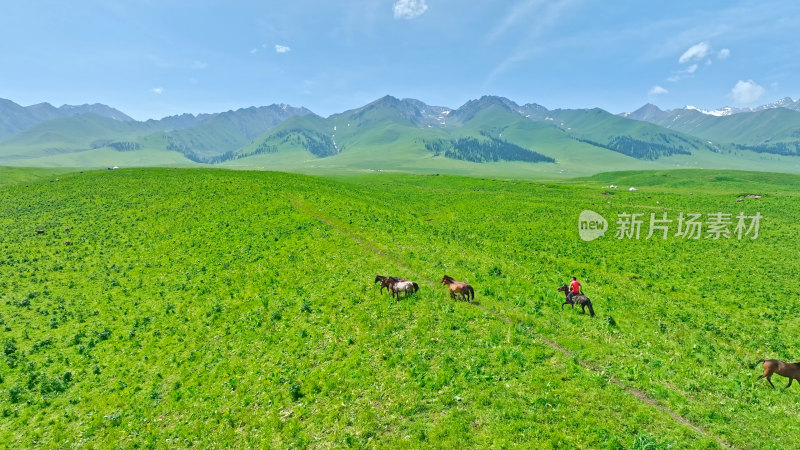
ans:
(14, 175)
(106, 157)
(198, 308)
(573, 159)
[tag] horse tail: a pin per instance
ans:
(471, 292)
(757, 363)
(589, 304)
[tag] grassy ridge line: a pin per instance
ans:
(18, 175)
(640, 395)
(679, 180)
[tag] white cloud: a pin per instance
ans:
(157, 90)
(253, 51)
(657, 90)
(199, 64)
(724, 53)
(282, 48)
(695, 53)
(691, 69)
(409, 9)
(746, 92)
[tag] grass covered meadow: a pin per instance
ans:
(197, 308)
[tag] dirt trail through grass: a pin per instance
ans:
(340, 227)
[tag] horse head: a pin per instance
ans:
(447, 279)
(379, 278)
(563, 288)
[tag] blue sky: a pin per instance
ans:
(156, 58)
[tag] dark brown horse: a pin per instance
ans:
(459, 287)
(576, 298)
(771, 366)
(387, 282)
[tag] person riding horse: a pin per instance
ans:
(574, 288)
(574, 295)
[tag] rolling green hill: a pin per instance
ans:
(390, 132)
(216, 308)
(217, 138)
(594, 127)
(202, 138)
(305, 133)
(71, 134)
(633, 138)
(387, 136)
(17, 175)
(15, 118)
(775, 130)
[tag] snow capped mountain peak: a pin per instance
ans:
(649, 112)
(726, 111)
(785, 102)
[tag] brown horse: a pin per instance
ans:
(459, 287)
(576, 298)
(771, 366)
(387, 282)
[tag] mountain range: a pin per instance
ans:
(768, 129)
(786, 102)
(15, 118)
(486, 135)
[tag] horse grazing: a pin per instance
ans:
(788, 370)
(409, 287)
(459, 287)
(576, 298)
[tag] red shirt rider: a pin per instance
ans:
(575, 286)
